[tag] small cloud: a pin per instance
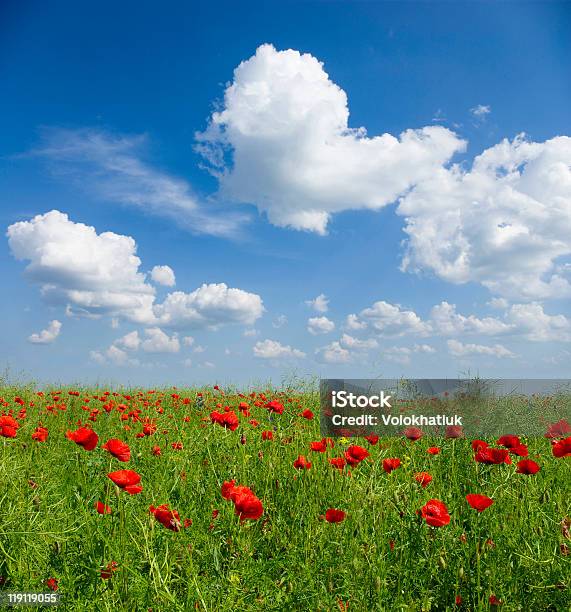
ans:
(159, 342)
(188, 341)
(187, 363)
(458, 349)
(279, 321)
(480, 111)
(46, 336)
(351, 343)
(320, 325)
(163, 275)
(319, 304)
(271, 349)
(423, 348)
(334, 353)
(198, 349)
(130, 341)
(439, 116)
(250, 333)
(113, 355)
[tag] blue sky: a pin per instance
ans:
(442, 229)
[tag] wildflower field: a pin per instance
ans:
(209, 499)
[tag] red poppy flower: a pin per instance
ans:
(423, 478)
(119, 449)
(227, 488)
(479, 502)
(527, 466)
(248, 506)
(458, 600)
(338, 462)
(107, 572)
(84, 437)
(493, 455)
(267, 435)
(372, 439)
(390, 464)
(8, 426)
(479, 444)
(520, 450)
(187, 523)
(413, 433)
(102, 508)
(149, 429)
(558, 430)
(562, 448)
(435, 513)
(355, 454)
(128, 480)
(301, 463)
(454, 431)
(40, 434)
(156, 450)
(167, 518)
(508, 441)
(307, 414)
(177, 445)
(494, 601)
(335, 516)
(275, 406)
(319, 447)
(52, 583)
(433, 450)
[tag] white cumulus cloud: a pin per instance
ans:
(351, 343)
(130, 341)
(392, 320)
(319, 304)
(48, 335)
(320, 325)
(159, 342)
(504, 223)
(93, 273)
(209, 306)
(459, 349)
(447, 321)
(272, 349)
(334, 353)
(163, 275)
(284, 123)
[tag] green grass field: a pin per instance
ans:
(382, 556)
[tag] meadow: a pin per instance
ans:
(210, 499)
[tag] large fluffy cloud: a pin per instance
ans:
(73, 264)
(98, 274)
(282, 141)
(505, 223)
